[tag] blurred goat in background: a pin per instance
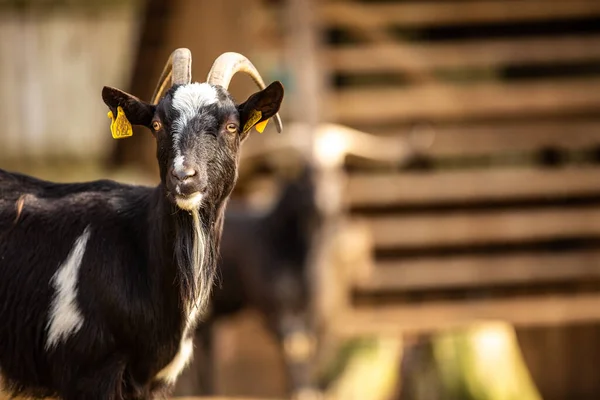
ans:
(264, 257)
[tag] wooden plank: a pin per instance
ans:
(440, 141)
(383, 189)
(432, 316)
(481, 270)
(418, 14)
(484, 227)
(480, 139)
(395, 57)
(381, 105)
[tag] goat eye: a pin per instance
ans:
(232, 128)
(156, 125)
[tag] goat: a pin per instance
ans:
(103, 283)
(264, 257)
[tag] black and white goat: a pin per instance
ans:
(102, 283)
(264, 266)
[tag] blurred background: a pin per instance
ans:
(427, 226)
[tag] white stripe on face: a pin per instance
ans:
(188, 100)
(65, 317)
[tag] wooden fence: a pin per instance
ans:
(497, 215)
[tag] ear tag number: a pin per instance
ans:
(255, 116)
(260, 127)
(120, 127)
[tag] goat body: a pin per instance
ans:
(102, 283)
(111, 308)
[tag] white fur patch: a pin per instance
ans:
(188, 100)
(170, 373)
(195, 309)
(189, 203)
(178, 163)
(205, 287)
(178, 166)
(65, 317)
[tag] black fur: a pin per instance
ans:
(136, 279)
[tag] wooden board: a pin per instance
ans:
(399, 56)
(387, 104)
(530, 311)
(480, 270)
(487, 138)
(470, 228)
(434, 13)
(382, 189)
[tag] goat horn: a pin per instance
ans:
(227, 65)
(177, 70)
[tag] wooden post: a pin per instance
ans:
(329, 293)
(306, 105)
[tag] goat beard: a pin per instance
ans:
(195, 259)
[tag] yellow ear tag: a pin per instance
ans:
(260, 127)
(252, 120)
(120, 127)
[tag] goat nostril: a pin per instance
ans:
(183, 173)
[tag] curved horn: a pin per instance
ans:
(227, 65)
(177, 70)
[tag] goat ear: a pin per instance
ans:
(136, 111)
(260, 107)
